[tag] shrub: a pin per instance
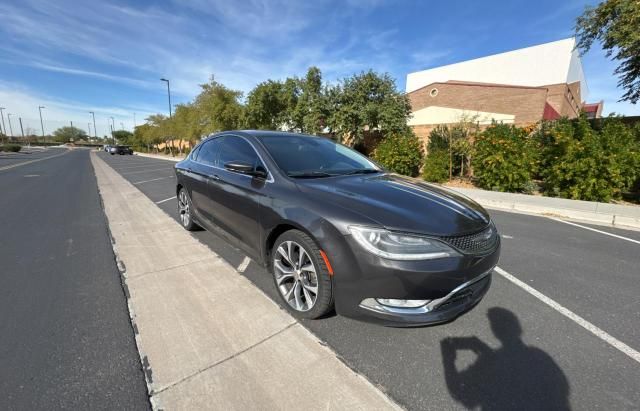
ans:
(400, 153)
(504, 158)
(436, 166)
(14, 148)
(586, 164)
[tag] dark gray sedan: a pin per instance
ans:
(337, 230)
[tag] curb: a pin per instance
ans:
(589, 211)
(160, 157)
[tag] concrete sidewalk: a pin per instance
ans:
(207, 337)
(614, 214)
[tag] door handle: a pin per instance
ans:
(215, 177)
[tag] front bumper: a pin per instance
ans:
(453, 285)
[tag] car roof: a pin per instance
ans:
(259, 133)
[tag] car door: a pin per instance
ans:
(237, 197)
(203, 171)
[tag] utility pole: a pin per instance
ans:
(21, 129)
(168, 93)
(3, 126)
(89, 128)
(10, 128)
(41, 123)
(94, 124)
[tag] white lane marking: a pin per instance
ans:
(606, 337)
(165, 200)
(153, 179)
(32, 161)
(243, 265)
(597, 231)
(146, 171)
(507, 236)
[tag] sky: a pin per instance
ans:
(108, 57)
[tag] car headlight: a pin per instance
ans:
(395, 246)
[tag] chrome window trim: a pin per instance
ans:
(269, 179)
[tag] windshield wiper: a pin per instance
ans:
(310, 174)
(362, 171)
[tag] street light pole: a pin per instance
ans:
(41, 123)
(168, 93)
(3, 126)
(89, 128)
(21, 129)
(10, 128)
(94, 124)
(113, 126)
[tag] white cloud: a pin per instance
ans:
(23, 103)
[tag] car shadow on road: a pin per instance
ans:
(515, 376)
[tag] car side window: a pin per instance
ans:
(209, 153)
(237, 149)
(194, 153)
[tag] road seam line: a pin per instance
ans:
(595, 230)
(32, 161)
(598, 332)
(165, 200)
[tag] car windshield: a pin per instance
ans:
(315, 157)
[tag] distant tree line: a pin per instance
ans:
(363, 103)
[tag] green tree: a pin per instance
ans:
(400, 153)
(218, 108)
(266, 106)
(66, 134)
(367, 101)
(505, 158)
(311, 108)
(582, 163)
(123, 137)
(616, 25)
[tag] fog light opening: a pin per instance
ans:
(396, 303)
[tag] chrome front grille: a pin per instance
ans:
(479, 243)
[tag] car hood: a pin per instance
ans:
(401, 203)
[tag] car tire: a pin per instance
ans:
(185, 211)
(294, 283)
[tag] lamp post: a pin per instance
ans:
(113, 127)
(21, 129)
(10, 128)
(95, 135)
(41, 123)
(89, 129)
(168, 93)
(3, 126)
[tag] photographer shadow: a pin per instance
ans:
(513, 377)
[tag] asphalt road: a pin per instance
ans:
(512, 351)
(65, 336)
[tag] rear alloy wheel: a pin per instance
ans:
(185, 210)
(301, 275)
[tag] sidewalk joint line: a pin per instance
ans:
(215, 364)
(144, 274)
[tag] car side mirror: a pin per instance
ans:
(246, 168)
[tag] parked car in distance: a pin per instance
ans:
(120, 150)
(337, 230)
(106, 148)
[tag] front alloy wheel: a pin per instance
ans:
(184, 210)
(301, 275)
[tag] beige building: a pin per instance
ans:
(519, 87)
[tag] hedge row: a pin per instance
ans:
(13, 148)
(563, 158)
